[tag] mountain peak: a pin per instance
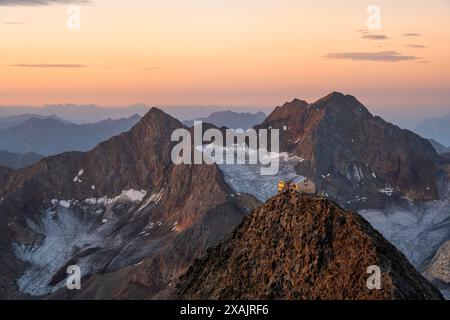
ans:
(334, 95)
(352, 155)
(296, 103)
(297, 246)
(158, 119)
(337, 101)
(156, 112)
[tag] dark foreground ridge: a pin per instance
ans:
(303, 247)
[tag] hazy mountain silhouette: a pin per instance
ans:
(49, 136)
(18, 160)
(437, 129)
(12, 121)
(231, 119)
(441, 149)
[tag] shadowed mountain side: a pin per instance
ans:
(302, 247)
(121, 204)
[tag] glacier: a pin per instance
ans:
(85, 233)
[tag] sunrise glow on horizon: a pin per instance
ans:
(237, 53)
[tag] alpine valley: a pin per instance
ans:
(141, 227)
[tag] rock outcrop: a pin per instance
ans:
(303, 247)
(438, 270)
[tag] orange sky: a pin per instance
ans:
(259, 53)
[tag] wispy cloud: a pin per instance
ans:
(48, 65)
(412, 34)
(149, 68)
(382, 56)
(375, 37)
(39, 2)
(415, 46)
(13, 22)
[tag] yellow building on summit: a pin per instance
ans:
(302, 185)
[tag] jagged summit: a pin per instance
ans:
(338, 102)
(358, 159)
(157, 119)
(294, 108)
(296, 102)
(303, 247)
(155, 112)
(333, 96)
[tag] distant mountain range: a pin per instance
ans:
(18, 160)
(93, 113)
(441, 149)
(437, 129)
(51, 135)
(76, 113)
(231, 119)
(12, 121)
(136, 223)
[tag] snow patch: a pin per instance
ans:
(153, 199)
(126, 196)
(62, 203)
(389, 191)
(77, 177)
(133, 195)
(358, 174)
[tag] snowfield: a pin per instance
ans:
(248, 179)
(64, 235)
(417, 231)
(85, 233)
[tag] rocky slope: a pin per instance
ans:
(123, 212)
(438, 270)
(302, 247)
(354, 157)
